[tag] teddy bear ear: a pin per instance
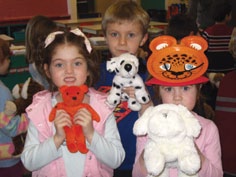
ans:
(24, 90)
(195, 42)
(161, 42)
(84, 88)
(62, 88)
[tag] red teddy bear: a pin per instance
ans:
(72, 101)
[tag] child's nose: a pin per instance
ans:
(122, 40)
(177, 95)
(69, 69)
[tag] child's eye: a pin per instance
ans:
(131, 35)
(78, 63)
(114, 34)
(186, 88)
(167, 89)
(58, 65)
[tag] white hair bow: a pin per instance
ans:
(50, 38)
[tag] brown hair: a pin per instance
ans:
(37, 30)
(126, 11)
(5, 51)
(201, 107)
(70, 38)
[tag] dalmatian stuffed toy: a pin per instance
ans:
(126, 68)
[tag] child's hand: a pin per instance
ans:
(62, 119)
(130, 91)
(84, 118)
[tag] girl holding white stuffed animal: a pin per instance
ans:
(178, 80)
(68, 59)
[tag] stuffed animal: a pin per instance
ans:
(126, 68)
(171, 130)
(23, 96)
(72, 101)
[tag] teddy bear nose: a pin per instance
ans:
(128, 67)
(74, 98)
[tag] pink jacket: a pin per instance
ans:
(41, 107)
(209, 144)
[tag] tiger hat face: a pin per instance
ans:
(177, 63)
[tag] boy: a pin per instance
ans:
(125, 25)
(218, 38)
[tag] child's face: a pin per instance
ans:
(124, 37)
(4, 66)
(68, 66)
(184, 95)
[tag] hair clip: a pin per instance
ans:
(76, 31)
(51, 37)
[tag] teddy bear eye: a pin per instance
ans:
(165, 115)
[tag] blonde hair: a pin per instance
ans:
(126, 11)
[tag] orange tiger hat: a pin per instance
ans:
(173, 64)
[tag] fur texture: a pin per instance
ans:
(126, 68)
(72, 101)
(171, 130)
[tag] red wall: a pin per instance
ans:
(13, 10)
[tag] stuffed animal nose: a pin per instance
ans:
(128, 67)
(74, 98)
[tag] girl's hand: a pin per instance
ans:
(84, 118)
(62, 119)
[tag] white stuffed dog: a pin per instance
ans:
(171, 130)
(126, 68)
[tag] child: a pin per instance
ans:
(218, 38)
(125, 26)
(225, 121)
(176, 87)
(180, 26)
(201, 11)
(36, 31)
(68, 60)
(9, 126)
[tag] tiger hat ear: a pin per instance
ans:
(162, 42)
(195, 42)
